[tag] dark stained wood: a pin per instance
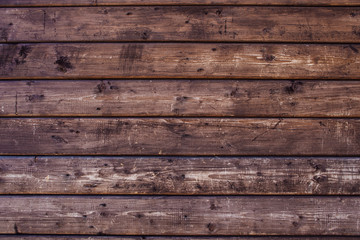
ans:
(171, 136)
(181, 215)
(180, 98)
(176, 2)
(179, 60)
(39, 237)
(183, 23)
(171, 175)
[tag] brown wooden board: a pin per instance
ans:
(181, 215)
(211, 98)
(173, 175)
(8, 3)
(42, 237)
(179, 60)
(182, 23)
(172, 136)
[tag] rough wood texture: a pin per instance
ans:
(183, 23)
(181, 60)
(171, 175)
(38, 237)
(8, 3)
(204, 136)
(180, 98)
(181, 215)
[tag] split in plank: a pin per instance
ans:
(224, 98)
(183, 23)
(180, 215)
(179, 60)
(13, 3)
(174, 136)
(173, 175)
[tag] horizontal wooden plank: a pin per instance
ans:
(126, 98)
(181, 215)
(183, 23)
(9, 3)
(171, 175)
(179, 60)
(44, 237)
(172, 136)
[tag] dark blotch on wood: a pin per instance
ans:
(218, 12)
(90, 185)
(211, 227)
(320, 178)
(353, 14)
(295, 224)
(144, 35)
(16, 229)
(98, 109)
(63, 63)
(139, 215)
(101, 87)
(23, 53)
(129, 13)
(35, 98)
(59, 139)
(102, 204)
(356, 31)
(235, 93)
(268, 57)
(294, 87)
(354, 49)
(200, 70)
(213, 49)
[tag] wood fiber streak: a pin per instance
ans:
(38, 237)
(181, 23)
(172, 175)
(179, 60)
(9, 3)
(204, 136)
(124, 98)
(180, 215)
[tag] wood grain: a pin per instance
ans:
(180, 215)
(179, 60)
(172, 136)
(126, 98)
(9, 3)
(183, 23)
(42, 237)
(173, 175)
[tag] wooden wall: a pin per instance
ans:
(180, 119)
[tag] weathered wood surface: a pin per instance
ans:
(42, 237)
(7, 3)
(173, 136)
(181, 215)
(179, 60)
(183, 23)
(172, 175)
(245, 98)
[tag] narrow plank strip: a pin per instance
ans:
(99, 136)
(12, 3)
(171, 175)
(42, 237)
(126, 98)
(181, 215)
(184, 60)
(183, 23)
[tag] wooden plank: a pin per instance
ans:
(126, 98)
(172, 175)
(12, 3)
(48, 237)
(180, 215)
(183, 23)
(181, 60)
(173, 136)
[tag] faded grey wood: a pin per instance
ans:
(175, 136)
(39, 237)
(173, 175)
(179, 60)
(183, 23)
(180, 215)
(180, 98)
